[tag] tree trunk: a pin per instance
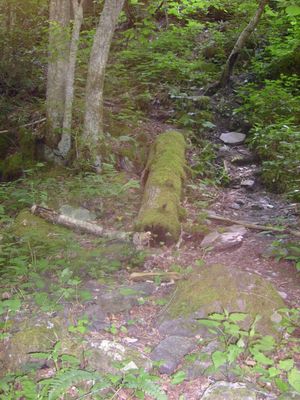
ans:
(57, 69)
(164, 173)
(64, 146)
(93, 117)
(240, 43)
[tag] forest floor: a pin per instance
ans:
(156, 319)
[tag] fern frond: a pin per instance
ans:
(61, 382)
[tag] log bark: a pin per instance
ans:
(163, 178)
(75, 224)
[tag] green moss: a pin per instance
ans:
(12, 166)
(4, 145)
(27, 146)
(38, 232)
(219, 287)
(160, 212)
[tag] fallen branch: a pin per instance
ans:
(25, 125)
(73, 223)
(249, 225)
(163, 276)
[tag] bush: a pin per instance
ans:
(278, 145)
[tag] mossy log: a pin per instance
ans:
(163, 178)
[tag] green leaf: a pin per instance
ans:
(236, 317)
(294, 379)
(282, 385)
(293, 11)
(219, 358)
(273, 372)
(217, 316)
(233, 352)
(179, 377)
(298, 266)
(261, 358)
(286, 365)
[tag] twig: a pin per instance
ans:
(25, 125)
(250, 225)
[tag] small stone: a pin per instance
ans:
(248, 183)
(171, 351)
(232, 237)
(233, 137)
(283, 295)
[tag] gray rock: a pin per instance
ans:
(229, 391)
(248, 183)
(105, 355)
(232, 237)
(233, 137)
(185, 327)
(96, 317)
(80, 213)
(171, 351)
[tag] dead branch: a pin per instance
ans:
(163, 276)
(25, 125)
(249, 225)
(75, 224)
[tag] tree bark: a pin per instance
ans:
(64, 146)
(160, 212)
(240, 43)
(93, 117)
(58, 62)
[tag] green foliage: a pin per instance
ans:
(245, 347)
(68, 375)
(274, 113)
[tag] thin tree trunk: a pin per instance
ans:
(57, 69)
(93, 118)
(64, 146)
(240, 43)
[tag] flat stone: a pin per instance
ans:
(229, 391)
(233, 137)
(83, 214)
(171, 351)
(232, 237)
(248, 183)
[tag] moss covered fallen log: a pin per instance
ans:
(164, 174)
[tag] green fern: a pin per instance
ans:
(146, 384)
(59, 384)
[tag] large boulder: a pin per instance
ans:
(218, 287)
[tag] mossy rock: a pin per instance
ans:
(219, 287)
(39, 338)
